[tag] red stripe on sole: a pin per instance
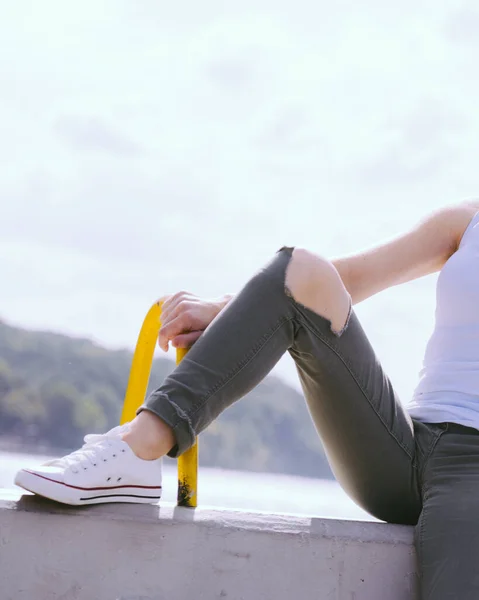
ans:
(113, 487)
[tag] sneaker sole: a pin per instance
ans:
(76, 496)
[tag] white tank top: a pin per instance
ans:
(448, 388)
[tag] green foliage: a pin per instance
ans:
(55, 389)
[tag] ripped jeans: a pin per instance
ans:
(398, 469)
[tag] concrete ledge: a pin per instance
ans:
(145, 552)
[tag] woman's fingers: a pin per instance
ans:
(181, 307)
(178, 325)
(170, 304)
(186, 340)
(184, 315)
(170, 330)
(178, 334)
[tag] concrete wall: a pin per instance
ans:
(142, 552)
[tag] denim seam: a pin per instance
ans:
(427, 490)
(241, 364)
(421, 526)
(306, 322)
(424, 502)
(350, 370)
(434, 442)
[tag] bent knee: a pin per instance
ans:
(310, 276)
(314, 282)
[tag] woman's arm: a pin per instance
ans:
(421, 251)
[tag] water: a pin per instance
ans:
(237, 489)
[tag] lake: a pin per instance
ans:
(237, 489)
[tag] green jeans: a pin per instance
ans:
(397, 469)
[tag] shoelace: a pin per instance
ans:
(93, 450)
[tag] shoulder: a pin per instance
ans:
(462, 215)
(452, 221)
(467, 210)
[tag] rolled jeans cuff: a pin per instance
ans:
(159, 404)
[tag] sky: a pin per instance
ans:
(149, 147)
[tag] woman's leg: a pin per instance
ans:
(447, 534)
(367, 435)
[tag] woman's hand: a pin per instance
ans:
(184, 317)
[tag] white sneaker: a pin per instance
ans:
(105, 469)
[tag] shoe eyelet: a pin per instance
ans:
(104, 460)
(95, 465)
(114, 456)
(123, 450)
(119, 479)
(108, 479)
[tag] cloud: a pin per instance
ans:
(417, 145)
(462, 27)
(289, 125)
(192, 141)
(232, 73)
(397, 168)
(430, 123)
(93, 134)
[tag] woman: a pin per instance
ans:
(418, 466)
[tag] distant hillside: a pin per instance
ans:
(54, 389)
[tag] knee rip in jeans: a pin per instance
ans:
(314, 283)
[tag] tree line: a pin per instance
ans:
(54, 389)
